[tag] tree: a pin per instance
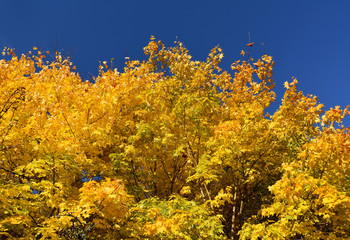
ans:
(311, 200)
(170, 148)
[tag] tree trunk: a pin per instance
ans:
(236, 214)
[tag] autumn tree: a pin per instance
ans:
(168, 148)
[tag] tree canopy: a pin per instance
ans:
(169, 148)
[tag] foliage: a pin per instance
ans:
(175, 218)
(170, 148)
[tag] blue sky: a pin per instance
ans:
(308, 39)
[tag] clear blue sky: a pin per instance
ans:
(309, 39)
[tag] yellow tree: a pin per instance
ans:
(242, 157)
(51, 133)
(311, 200)
(169, 148)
